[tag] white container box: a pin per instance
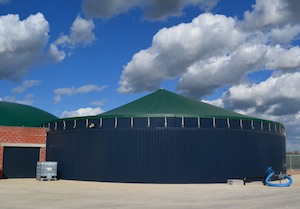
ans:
(46, 171)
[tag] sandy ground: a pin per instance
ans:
(30, 193)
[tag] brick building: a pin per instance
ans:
(22, 141)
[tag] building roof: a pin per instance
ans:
(163, 103)
(13, 114)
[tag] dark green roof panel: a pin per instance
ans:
(13, 114)
(164, 103)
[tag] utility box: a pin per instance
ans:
(46, 171)
(235, 182)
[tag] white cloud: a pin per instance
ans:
(55, 54)
(99, 102)
(270, 13)
(205, 76)
(278, 95)
(107, 8)
(205, 53)
(214, 51)
(284, 34)
(82, 89)
(57, 99)
(176, 49)
(276, 98)
(281, 58)
(25, 85)
(72, 91)
(21, 44)
(81, 33)
(82, 112)
(4, 1)
(28, 100)
(154, 9)
(89, 88)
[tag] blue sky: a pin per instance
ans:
(83, 57)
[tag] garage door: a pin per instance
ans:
(20, 162)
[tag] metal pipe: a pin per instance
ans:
(131, 122)
(100, 123)
(74, 125)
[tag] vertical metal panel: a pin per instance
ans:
(247, 124)
(256, 125)
(124, 122)
(108, 123)
(206, 122)
(265, 127)
(59, 125)
(191, 122)
(69, 124)
(221, 123)
(80, 124)
(157, 122)
(235, 124)
(169, 155)
(175, 122)
(140, 123)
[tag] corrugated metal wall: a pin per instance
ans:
(165, 155)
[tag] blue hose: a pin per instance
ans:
(271, 173)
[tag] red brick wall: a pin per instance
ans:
(22, 135)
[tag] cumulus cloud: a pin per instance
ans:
(106, 8)
(276, 99)
(25, 85)
(88, 111)
(216, 51)
(72, 91)
(154, 9)
(175, 49)
(278, 95)
(55, 54)
(281, 58)
(284, 34)
(22, 44)
(272, 12)
(81, 34)
(205, 53)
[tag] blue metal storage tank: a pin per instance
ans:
(165, 138)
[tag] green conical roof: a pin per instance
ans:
(13, 114)
(164, 103)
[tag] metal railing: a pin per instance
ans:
(293, 161)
